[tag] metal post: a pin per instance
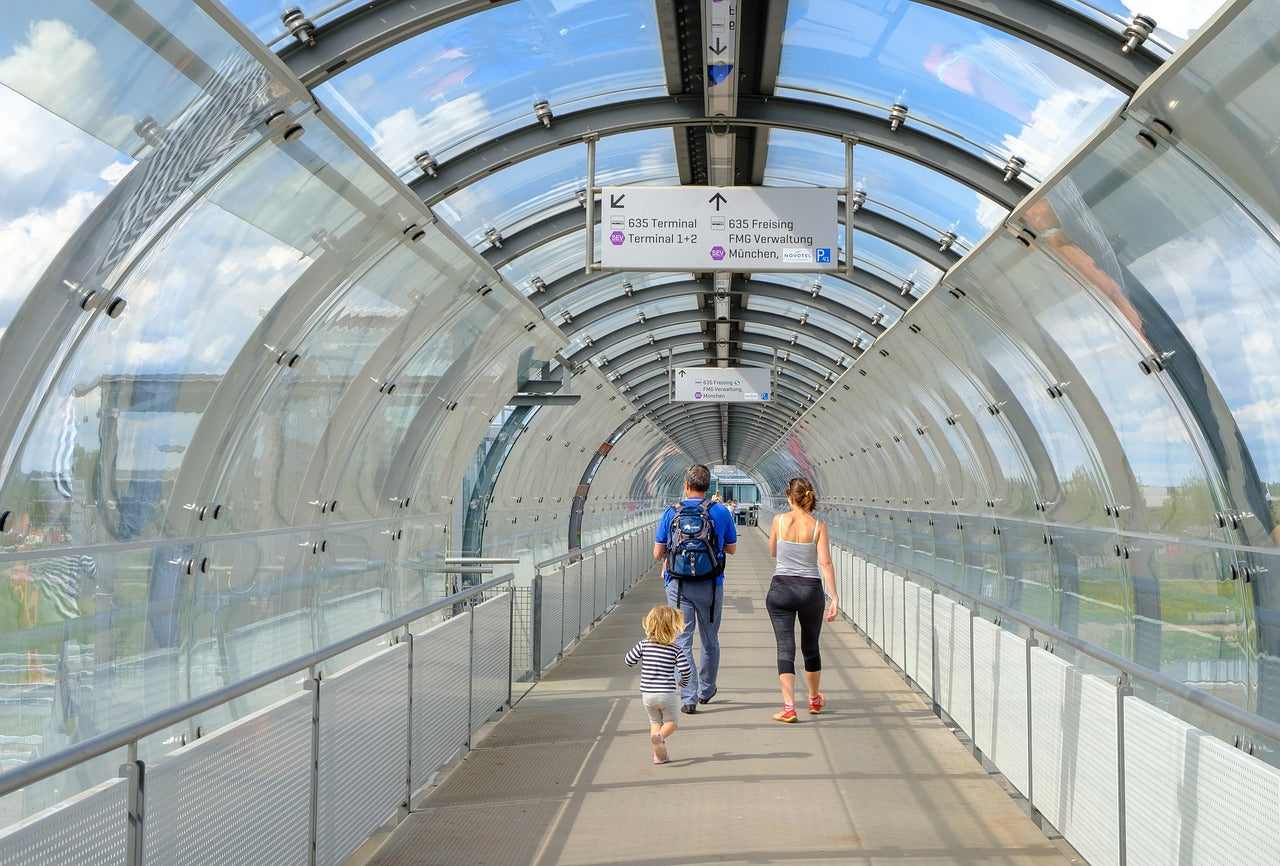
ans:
(1124, 689)
(973, 697)
(511, 640)
(1031, 785)
(590, 203)
(408, 762)
(313, 684)
(135, 772)
(849, 142)
(906, 652)
(471, 669)
(564, 609)
(535, 624)
(934, 675)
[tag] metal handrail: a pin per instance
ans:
(584, 550)
(1224, 709)
(85, 750)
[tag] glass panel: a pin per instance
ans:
(1164, 484)
(1001, 93)
(835, 289)
(820, 318)
(52, 176)
(893, 185)
(529, 190)
(893, 262)
(127, 92)
(478, 77)
(114, 429)
(1175, 20)
(550, 261)
(1191, 263)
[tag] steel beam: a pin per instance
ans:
(980, 174)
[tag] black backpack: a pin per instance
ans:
(693, 548)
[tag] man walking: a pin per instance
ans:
(693, 580)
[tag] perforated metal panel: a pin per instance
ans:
(1000, 700)
(1191, 798)
(911, 654)
(860, 593)
(954, 683)
(239, 795)
(553, 599)
(572, 603)
(441, 666)
(491, 652)
(921, 653)
(844, 582)
(86, 830)
(875, 604)
(590, 590)
(364, 747)
(614, 566)
(1073, 756)
(894, 642)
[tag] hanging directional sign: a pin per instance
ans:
(722, 384)
(732, 228)
(722, 40)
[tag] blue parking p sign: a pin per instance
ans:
(824, 255)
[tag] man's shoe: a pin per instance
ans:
(708, 698)
(688, 708)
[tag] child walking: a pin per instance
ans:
(658, 679)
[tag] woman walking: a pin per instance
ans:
(800, 543)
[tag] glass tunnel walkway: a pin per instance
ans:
(334, 427)
(566, 775)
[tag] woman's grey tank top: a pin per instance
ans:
(797, 559)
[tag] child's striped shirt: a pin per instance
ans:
(661, 661)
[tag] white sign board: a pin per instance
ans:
(722, 384)
(732, 228)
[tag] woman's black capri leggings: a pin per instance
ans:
(788, 598)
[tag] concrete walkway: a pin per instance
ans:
(566, 777)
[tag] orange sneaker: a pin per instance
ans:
(816, 703)
(785, 715)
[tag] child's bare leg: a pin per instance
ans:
(668, 729)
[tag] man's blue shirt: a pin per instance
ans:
(726, 531)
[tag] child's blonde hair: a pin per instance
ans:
(663, 623)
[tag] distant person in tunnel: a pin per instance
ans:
(694, 537)
(800, 543)
(663, 668)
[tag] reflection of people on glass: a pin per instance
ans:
(1042, 219)
(984, 71)
(58, 580)
(1068, 229)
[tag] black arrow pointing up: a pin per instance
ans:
(718, 200)
(718, 48)
(615, 199)
(681, 374)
